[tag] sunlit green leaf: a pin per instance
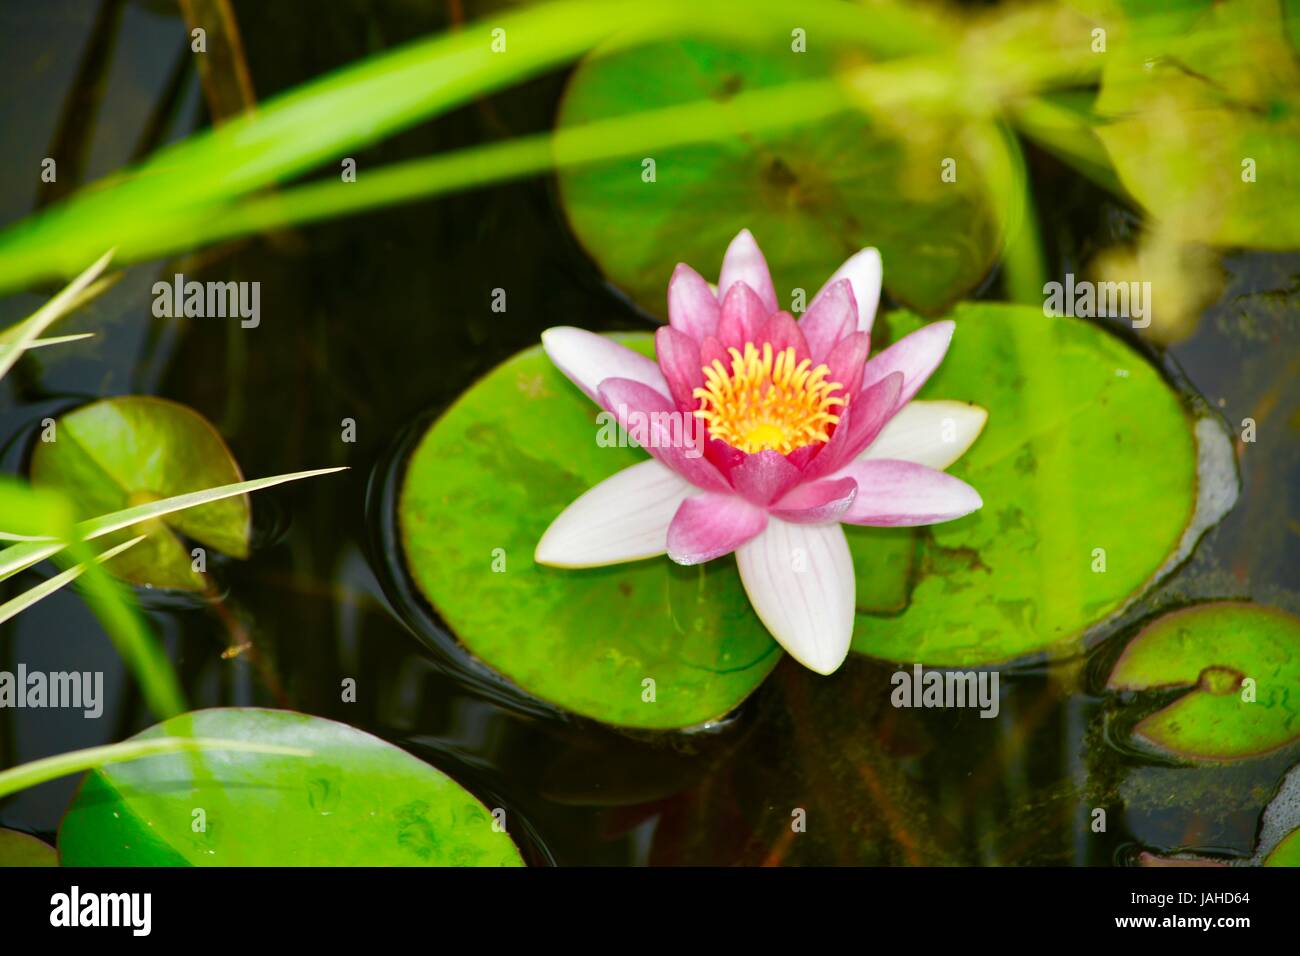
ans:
(353, 800)
(127, 451)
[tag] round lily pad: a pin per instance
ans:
(480, 489)
(355, 801)
(1240, 664)
(22, 849)
(1088, 468)
(812, 195)
(120, 452)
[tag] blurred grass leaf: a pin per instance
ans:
(29, 597)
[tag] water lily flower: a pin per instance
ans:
(765, 435)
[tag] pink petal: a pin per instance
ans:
(863, 270)
(897, 493)
(743, 315)
(744, 262)
(763, 476)
(833, 314)
(846, 361)
(817, 502)
(723, 456)
(711, 350)
(710, 525)
(588, 359)
(655, 423)
(679, 360)
(859, 424)
(916, 356)
(692, 308)
(782, 331)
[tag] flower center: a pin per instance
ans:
(768, 401)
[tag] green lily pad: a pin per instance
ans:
(1086, 448)
(127, 451)
(1286, 853)
(356, 801)
(812, 195)
(22, 849)
(1221, 76)
(483, 485)
(1212, 649)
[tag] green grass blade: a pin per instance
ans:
(772, 108)
(43, 590)
(51, 312)
(17, 557)
(327, 118)
(113, 604)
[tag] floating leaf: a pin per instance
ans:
(483, 485)
(21, 849)
(1220, 76)
(128, 451)
(354, 801)
(813, 196)
(1286, 853)
(1088, 460)
(1212, 649)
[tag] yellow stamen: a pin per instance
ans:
(768, 401)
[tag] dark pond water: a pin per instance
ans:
(384, 318)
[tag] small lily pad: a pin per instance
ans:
(482, 486)
(1286, 853)
(813, 195)
(1241, 665)
(1088, 468)
(355, 801)
(127, 451)
(22, 849)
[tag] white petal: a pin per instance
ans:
(799, 578)
(588, 359)
(624, 518)
(863, 270)
(929, 433)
